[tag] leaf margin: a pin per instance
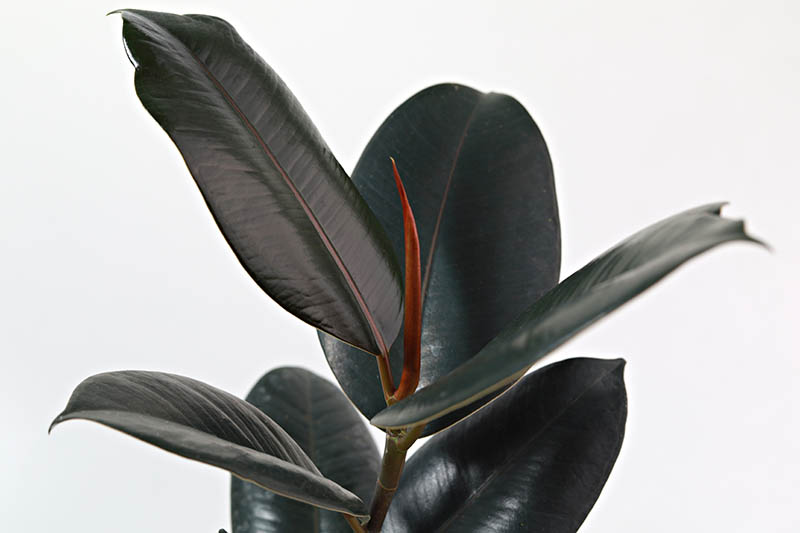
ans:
(403, 413)
(136, 426)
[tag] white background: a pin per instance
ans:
(109, 259)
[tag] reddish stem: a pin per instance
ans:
(413, 298)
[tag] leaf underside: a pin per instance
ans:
(282, 201)
(205, 424)
(535, 459)
(319, 418)
(592, 292)
(479, 180)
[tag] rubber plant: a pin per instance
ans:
(433, 296)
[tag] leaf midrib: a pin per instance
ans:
(435, 237)
(376, 333)
(154, 421)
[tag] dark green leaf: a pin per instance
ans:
(205, 424)
(319, 418)
(535, 459)
(280, 198)
(480, 183)
(594, 291)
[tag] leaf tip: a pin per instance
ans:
(755, 240)
(56, 421)
(716, 207)
(741, 227)
(619, 365)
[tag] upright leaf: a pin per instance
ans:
(280, 198)
(592, 292)
(479, 179)
(319, 418)
(534, 460)
(205, 424)
(412, 317)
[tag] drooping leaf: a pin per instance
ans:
(592, 292)
(535, 459)
(280, 198)
(319, 418)
(480, 182)
(205, 424)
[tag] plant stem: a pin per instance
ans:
(409, 437)
(394, 458)
(354, 523)
(392, 466)
(398, 442)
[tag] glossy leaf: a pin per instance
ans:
(321, 420)
(199, 422)
(480, 182)
(280, 198)
(594, 291)
(534, 460)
